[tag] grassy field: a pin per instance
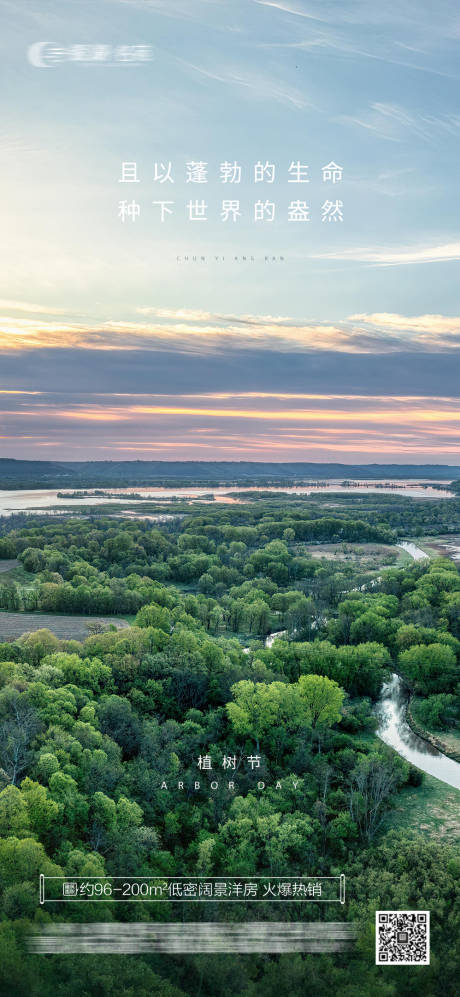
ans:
(13, 625)
(13, 571)
(8, 565)
(451, 740)
(433, 809)
(367, 554)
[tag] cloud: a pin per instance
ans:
(334, 45)
(188, 336)
(194, 315)
(290, 425)
(435, 325)
(260, 85)
(239, 369)
(393, 122)
(396, 34)
(24, 306)
(188, 314)
(416, 16)
(286, 9)
(396, 124)
(204, 333)
(400, 256)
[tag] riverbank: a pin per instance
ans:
(432, 739)
(416, 553)
(433, 808)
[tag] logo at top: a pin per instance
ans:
(44, 55)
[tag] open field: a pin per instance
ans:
(13, 625)
(12, 570)
(369, 555)
(8, 565)
(450, 739)
(432, 808)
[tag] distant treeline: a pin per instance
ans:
(96, 474)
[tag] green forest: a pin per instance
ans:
(102, 740)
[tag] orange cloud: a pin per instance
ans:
(205, 332)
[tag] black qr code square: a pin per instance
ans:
(402, 937)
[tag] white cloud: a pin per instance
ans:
(24, 306)
(288, 10)
(381, 256)
(437, 325)
(260, 85)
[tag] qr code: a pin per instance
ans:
(402, 937)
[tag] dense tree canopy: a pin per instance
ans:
(103, 741)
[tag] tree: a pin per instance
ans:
(258, 616)
(154, 616)
(103, 820)
(300, 616)
(436, 711)
(22, 859)
(33, 559)
(258, 707)
(14, 816)
(90, 672)
(19, 725)
(64, 790)
(323, 699)
(430, 668)
(362, 668)
(118, 719)
(371, 626)
(36, 645)
(43, 811)
(372, 783)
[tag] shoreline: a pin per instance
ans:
(427, 736)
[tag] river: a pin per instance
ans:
(415, 552)
(275, 636)
(394, 730)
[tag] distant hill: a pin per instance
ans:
(96, 474)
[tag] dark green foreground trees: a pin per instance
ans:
(100, 745)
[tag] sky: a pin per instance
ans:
(334, 336)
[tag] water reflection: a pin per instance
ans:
(33, 500)
(416, 552)
(275, 636)
(394, 730)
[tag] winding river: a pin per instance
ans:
(394, 730)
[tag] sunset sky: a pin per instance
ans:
(344, 344)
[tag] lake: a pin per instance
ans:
(39, 500)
